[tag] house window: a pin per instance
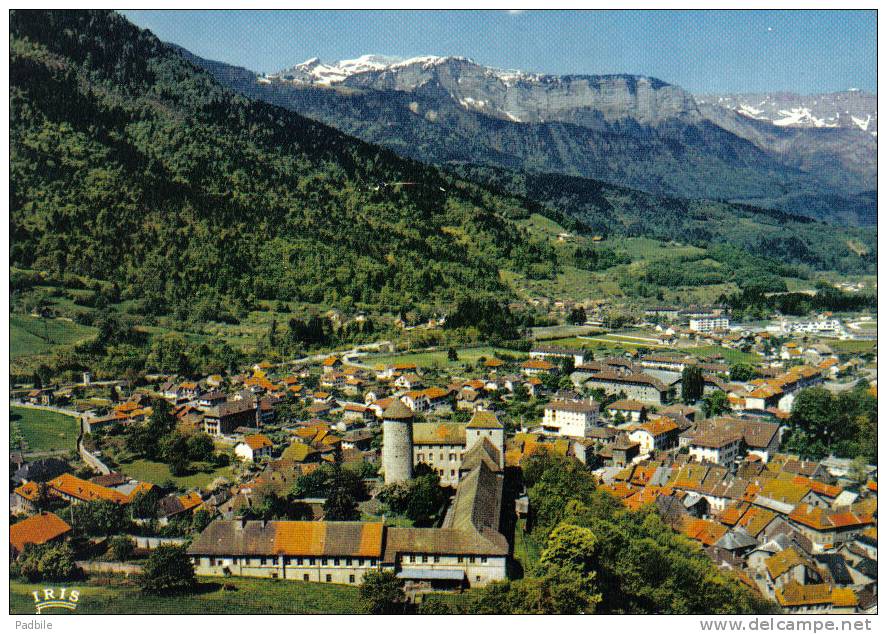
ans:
(299, 561)
(421, 457)
(477, 578)
(412, 559)
(461, 559)
(306, 577)
(452, 457)
(452, 473)
(350, 578)
(212, 561)
(441, 457)
(424, 559)
(348, 562)
(329, 578)
(336, 562)
(311, 561)
(471, 560)
(325, 562)
(483, 560)
(436, 559)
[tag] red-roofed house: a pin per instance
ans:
(37, 529)
(254, 447)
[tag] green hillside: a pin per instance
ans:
(592, 207)
(30, 335)
(131, 165)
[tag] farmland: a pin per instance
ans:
(30, 335)
(44, 430)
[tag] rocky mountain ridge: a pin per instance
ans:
(852, 109)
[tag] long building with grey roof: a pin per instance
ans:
(468, 550)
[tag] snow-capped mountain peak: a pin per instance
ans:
(512, 95)
(852, 108)
(314, 71)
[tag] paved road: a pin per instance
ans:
(347, 355)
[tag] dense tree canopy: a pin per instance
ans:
(597, 556)
(132, 166)
(844, 424)
(168, 571)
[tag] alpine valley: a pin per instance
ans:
(174, 192)
(421, 336)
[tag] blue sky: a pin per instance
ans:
(702, 51)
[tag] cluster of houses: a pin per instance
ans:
(788, 528)
(51, 482)
(795, 531)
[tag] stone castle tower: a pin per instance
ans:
(485, 424)
(397, 442)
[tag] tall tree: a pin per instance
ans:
(168, 571)
(692, 384)
(715, 404)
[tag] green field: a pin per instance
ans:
(158, 473)
(730, 355)
(29, 335)
(45, 431)
(439, 357)
(607, 344)
(852, 346)
(650, 249)
(250, 596)
(538, 223)
(615, 282)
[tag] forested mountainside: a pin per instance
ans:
(596, 208)
(671, 148)
(130, 164)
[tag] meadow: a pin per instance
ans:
(158, 473)
(439, 358)
(44, 430)
(853, 346)
(246, 596)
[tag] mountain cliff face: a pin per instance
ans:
(510, 95)
(631, 131)
(841, 157)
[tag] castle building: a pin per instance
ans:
(467, 550)
(443, 446)
(397, 447)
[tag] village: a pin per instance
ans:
(335, 465)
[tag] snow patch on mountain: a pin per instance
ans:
(863, 124)
(314, 71)
(852, 108)
(804, 117)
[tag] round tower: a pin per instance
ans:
(397, 442)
